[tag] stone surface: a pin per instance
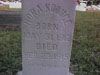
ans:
(47, 32)
(71, 74)
(20, 73)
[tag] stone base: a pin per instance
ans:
(71, 74)
(20, 73)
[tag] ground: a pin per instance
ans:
(85, 59)
(6, 7)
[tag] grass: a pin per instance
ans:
(85, 59)
(6, 7)
(10, 52)
(86, 44)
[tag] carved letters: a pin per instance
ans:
(45, 34)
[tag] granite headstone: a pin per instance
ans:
(47, 33)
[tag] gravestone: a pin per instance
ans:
(47, 33)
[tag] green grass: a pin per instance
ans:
(85, 58)
(6, 7)
(86, 44)
(10, 52)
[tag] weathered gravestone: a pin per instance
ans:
(47, 31)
